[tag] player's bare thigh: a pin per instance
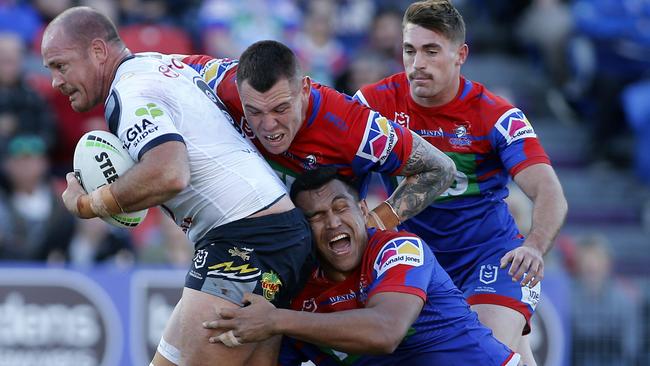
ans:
(195, 348)
(506, 323)
(168, 350)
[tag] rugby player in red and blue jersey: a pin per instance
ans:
(299, 125)
(377, 298)
(469, 227)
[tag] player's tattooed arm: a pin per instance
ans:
(428, 173)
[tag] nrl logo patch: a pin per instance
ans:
(199, 258)
(488, 274)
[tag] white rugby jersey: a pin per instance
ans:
(149, 104)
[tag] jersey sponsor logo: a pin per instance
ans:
(270, 285)
(151, 109)
(243, 253)
(215, 69)
(336, 299)
(402, 119)
(337, 121)
(140, 130)
(378, 139)
(488, 273)
(227, 270)
(168, 72)
(531, 296)
(461, 138)
(430, 133)
(408, 251)
(514, 125)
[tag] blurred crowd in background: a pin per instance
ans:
(580, 69)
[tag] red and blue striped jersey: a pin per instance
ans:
(337, 131)
(488, 139)
(446, 332)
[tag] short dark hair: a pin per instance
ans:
(265, 62)
(314, 179)
(439, 16)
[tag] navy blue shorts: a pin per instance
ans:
(484, 282)
(269, 256)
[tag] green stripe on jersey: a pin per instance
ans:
(286, 176)
(465, 182)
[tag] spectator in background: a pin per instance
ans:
(544, 28)
(228, 26)
(635, 99)
(614, 38)
(606, 318)
(386, 38)
(321, 55)
(41, 227)
(365, 68)
(149, 26)
(160, 240)
(352, 19)
(19, 17)
(49, 9)
(22, 110)
(95, 241)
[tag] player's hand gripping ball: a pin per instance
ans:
(100, 159)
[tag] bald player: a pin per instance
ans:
(191, 162)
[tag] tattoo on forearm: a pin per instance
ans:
(429, 172)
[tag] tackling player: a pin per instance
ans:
(469, 227)
(206, 177)
(377, 298)
(299, 125)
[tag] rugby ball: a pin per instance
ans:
(100, 159)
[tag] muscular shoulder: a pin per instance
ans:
(489, 106)
(387, 90)
(387, 248)
(333, 112)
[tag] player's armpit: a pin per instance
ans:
(428, 172)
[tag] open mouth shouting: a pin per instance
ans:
(340, 244)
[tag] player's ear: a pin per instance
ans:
(363, 206)
(306, 86)
(463, 52)
(99, 49)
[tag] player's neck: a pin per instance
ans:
(111, 70)
(332, 274)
